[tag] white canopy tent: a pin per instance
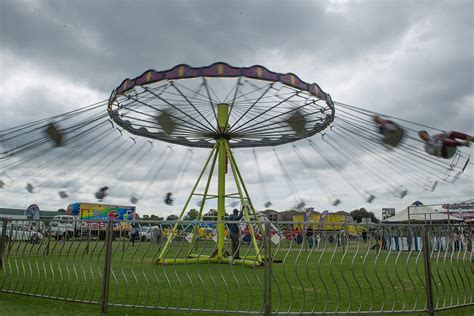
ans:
(418, 212)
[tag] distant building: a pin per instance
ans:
(287, 216)
(14, 213)
(271, 215)
(366, 220)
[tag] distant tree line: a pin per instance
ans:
(192, 214)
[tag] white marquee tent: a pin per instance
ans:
(417, 212)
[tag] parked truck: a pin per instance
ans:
(90, 218)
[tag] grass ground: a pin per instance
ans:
(19, 305)
(330, 278)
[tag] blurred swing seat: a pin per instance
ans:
(55, 135)
(393, 139)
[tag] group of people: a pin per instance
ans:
(442, 145)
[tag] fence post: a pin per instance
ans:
(123, 238)
(428, 279)
(268, 270)
(107, 266)
(48, 242)
(88, 237)
(2, 240)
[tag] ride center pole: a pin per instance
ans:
(222, 113)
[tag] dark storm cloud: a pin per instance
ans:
(124, 40)
(103, 45)
(428, 74)
(413, 60)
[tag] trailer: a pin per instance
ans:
(93, 218)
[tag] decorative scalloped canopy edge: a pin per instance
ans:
(219, 70)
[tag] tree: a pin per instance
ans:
(361, 213)
(191, 215)
(172, 217)
(154, 217)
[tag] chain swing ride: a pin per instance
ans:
(222, 108)
(252, 107)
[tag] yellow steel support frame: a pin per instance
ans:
(165, 249)
(223, 154)
(238, 182)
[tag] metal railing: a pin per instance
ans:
(300, 268)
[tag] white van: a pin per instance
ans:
(62, 225)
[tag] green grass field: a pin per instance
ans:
(332, 278)
(20, 305)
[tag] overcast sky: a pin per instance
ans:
(409, 59)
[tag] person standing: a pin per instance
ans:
(133, 233)
(310, 236)
(156, 232)
(235, 231)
